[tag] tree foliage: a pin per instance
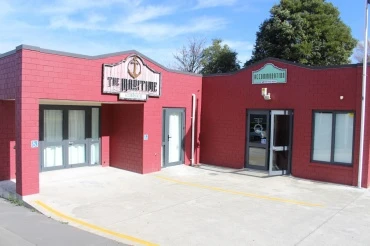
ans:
(188, 58)
(305, 31)
(219, 58)
(359, 52)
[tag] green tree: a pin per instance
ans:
(305, 31)
(219, 58)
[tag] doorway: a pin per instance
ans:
(173, 136)
(269, 141)
(69, 136)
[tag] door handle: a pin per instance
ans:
(169, 137)
(70, 143)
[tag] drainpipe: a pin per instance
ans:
(194, 97)
(364, 71)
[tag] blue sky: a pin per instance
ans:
(156, 28)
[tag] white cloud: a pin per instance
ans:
(146, 30)
(73, 6)
(244, 49)
(214, 3)
(95, 18)
(60, 26)
(162, 31)
(135, 22)
(240, 45)
(142, 14)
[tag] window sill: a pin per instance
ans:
(331, 165)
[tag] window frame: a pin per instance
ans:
(332, 147)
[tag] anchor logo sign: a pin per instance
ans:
(134, 67)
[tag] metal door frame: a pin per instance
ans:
(265, 146)
(65, 142)
(271, 144)
(165, 134)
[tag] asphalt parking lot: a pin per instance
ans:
(20, 226)
(207, 205)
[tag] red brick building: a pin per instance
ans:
(316, 113)
(63, 110)
(55, 114)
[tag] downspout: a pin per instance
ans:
(194, 97)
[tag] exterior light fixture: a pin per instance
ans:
(265, 95)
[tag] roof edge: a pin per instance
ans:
(286, 62)
(63, 53)
(8, 53)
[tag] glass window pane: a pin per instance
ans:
(95, 153)
(53, 156)
(53, 125)
(174, 141)
(280, 160)
(281, 130)
(257, 156)
(343, 137)
(322, 136)
(76, 125)
(76, 154)
(95, 123)
(258, 129)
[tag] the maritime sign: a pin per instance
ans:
(132, 79)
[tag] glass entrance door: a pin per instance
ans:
(69, 136)
(53, 139)
(173, 136)
(76, 137)
(258, 139)
(280, 142)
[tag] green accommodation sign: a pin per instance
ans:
(269, 74)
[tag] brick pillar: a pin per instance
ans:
(27, 158)
(27, 129)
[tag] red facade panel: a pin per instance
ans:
(7, 140)
(177, 90)
(126, 139)
(226, 99)
(10, 70)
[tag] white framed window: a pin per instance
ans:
(332, 137)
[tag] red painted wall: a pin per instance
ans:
(176, 93)
(106, 119)
(126, 139)
(7, 140)
(227, 97)
(10, 69)
(65, 77)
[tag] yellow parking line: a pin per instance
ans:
(276, 199)
(94, 227)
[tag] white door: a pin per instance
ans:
(173, 137)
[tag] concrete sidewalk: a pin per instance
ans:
(184, 205)
(20, 226)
